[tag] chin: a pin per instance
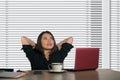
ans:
(48, 48)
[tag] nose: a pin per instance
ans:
(49, 40)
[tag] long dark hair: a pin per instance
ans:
(39, 44)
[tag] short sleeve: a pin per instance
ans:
(28, 49)
(66, 47)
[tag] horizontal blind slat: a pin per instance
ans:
(115, 32)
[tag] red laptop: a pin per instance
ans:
(86, 59)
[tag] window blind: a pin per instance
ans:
(78, 18)
(115, 34)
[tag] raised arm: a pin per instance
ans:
(67, 40)
(27, 41)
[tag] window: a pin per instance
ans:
(115, 35)
(81, 19)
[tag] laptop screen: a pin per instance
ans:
(86, 58)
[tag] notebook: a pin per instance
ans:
(4, 74)
(86, 59)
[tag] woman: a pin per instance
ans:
(45, 51)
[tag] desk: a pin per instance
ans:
(100, 74)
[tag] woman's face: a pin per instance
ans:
(47, 41)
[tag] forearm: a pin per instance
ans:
(27, 41)
(67, 40)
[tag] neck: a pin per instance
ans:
(47, 53)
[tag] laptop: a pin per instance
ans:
(8, 74)
(7, 69)
(86, 59)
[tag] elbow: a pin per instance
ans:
(22, 37)
(23, 40)
(70, 40)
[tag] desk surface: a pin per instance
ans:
(100, 74)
